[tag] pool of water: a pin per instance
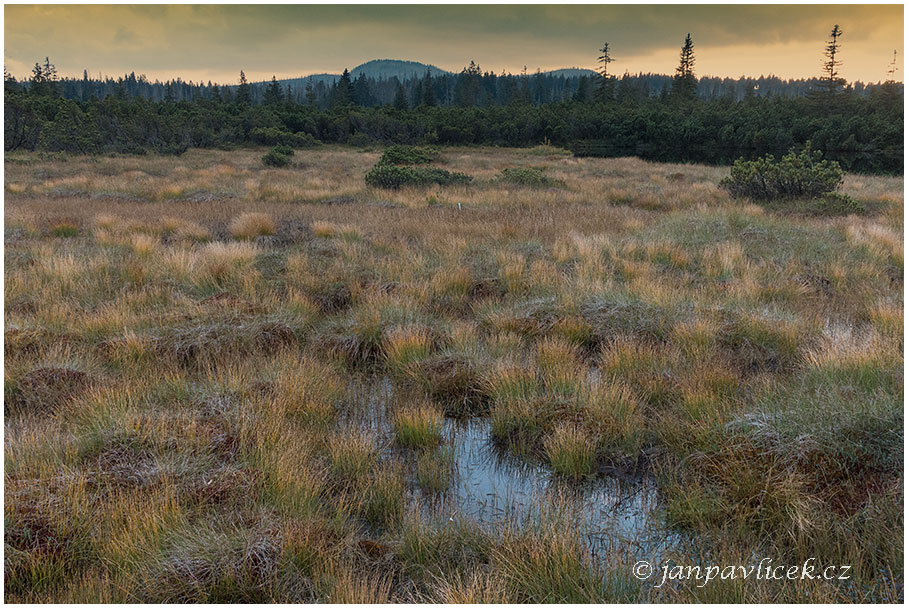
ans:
(492, 487)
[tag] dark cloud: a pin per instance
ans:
(182, 40)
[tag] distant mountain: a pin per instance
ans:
(377, 68)
(388, 68)
(403, 70)
(570, 73)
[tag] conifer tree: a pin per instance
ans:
(273, 93)
(244, 97)
(427, 95)
(343, 93)
(400, 98)
(832, 79)
(583, 93)
(684, 84)
(606, 88)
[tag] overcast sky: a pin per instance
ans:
(209, 42)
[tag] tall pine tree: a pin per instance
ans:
(273, 93)
(832, 79)
(244, 96)
(684, 84)
(606, 88)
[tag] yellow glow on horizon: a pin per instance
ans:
(211, 42)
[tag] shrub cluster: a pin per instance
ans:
(401, 154)
(394, 169)
(527, 176)
(801, 173)
(272, 136)
(383, 175)
(279, 156)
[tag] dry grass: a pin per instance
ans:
(192, 411)
(251, 225)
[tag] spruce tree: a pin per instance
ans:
(400, 102)
(244, 97)
(273, 93)
(343, 93)
(684, 84)
(427, 95)
(832, 79)
(606, 88)
(582, 95)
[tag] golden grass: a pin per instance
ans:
(251, 225)
(263, 419)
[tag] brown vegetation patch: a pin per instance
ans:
(222, 339)
(221, 486)
(33, 533)
(374, 549)
(486, 287)
(273, 336)
(125, 466)
(29, 341)
(454, 381)
(332, 298)
(815, 283)
(44, 390)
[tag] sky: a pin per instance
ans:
(215, 42)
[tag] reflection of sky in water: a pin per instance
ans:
(493, 487)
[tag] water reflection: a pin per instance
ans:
(494, 487)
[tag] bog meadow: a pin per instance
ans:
(268, 349)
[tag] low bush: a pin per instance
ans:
(279, 156)
(384, 175)
(272, 136)
(800, 173)
(360, 140)
(526, 176)
(408, 155)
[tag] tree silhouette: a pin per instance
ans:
(273, 93)
(832, 79)
(343, 93)
(400, 98)
(606, 88)
(243, 94)
(684, 84)
(427, 95)
(891, 71)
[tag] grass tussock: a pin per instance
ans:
(418, 426)
(251, 225)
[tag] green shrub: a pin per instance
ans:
(384, 175)
(360, 140)
(401, 154)
(800, 173)
(279, 156)
(837, 203)
(434, 175)
(526, 176)
(271, 136)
